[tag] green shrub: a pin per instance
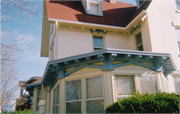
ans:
(146, 103)
(21, 112)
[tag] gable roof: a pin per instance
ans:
(118, 14)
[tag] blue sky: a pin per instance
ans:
(30, 63)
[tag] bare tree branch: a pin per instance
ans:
(11, 46)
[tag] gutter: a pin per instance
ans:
(108, 27)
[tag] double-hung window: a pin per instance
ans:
(148, 84)
(40, 101)
(139, 44)
(94, 95)
(56, 100)
(98, 43)
(73, 96)
(91, 96)
(124, 85)
(177, 83)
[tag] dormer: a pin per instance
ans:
(140, 3)
(93, 7)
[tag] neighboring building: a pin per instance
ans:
(25, 97)
(100, 51)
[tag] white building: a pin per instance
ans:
(103, 50)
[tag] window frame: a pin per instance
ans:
(103, 39)
(73, 100)
(122, 96)
(83, 78)
(93, 99)
(158, 89)
(141, 44)
(174, 83)
(57, 105)
(115, 90)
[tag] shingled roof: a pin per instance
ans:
(118, 14)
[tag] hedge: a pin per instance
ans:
(146, 103)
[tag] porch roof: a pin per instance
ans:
(55, 69)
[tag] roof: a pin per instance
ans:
(118, 14)
(33, 82)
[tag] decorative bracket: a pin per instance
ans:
(107, 64)
(98, 31)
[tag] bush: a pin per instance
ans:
(146, 103)
(21, 112)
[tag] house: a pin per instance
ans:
(100, 51)
(26, 97)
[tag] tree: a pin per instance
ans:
(11, 46)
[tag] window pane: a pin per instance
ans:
(177, 83)
(98, 42)
(138, 39)
(148, 84)
(140, 48)
(124, 85)
(40, 109)
(56, 96)
(94, 9)
(73, 90)
(41, 94)
(95, 106)
(73, 107)
(94, 87)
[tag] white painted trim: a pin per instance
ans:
(91, 25)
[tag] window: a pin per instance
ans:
(177, 83)
(98, 43)
(124, 85)
(73, 96)
(148, 84)
(178, 4)
(94, 95)
(94, 9)
(56, 100)
(40, 108)
(178, 38)
(139, 44)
